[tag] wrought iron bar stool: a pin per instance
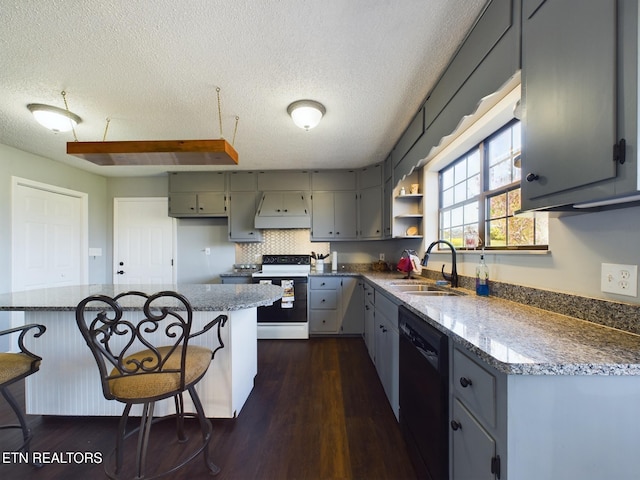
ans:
(141, 345)
(14, 367)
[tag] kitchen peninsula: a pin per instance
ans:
(532, 393)
(68, 382)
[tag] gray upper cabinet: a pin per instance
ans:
(334, 216)
(409, 137)
(569, 97)
(197, 182)
(283, 180)
(370, 176)
(370, 213)
(243, 202)
(334, 180)
(200, 194)
(370, 208)
(242, 212)
(487, 59)
(334, 205)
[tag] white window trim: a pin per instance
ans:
(493, 113)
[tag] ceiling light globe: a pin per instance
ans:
(306, 113)
(54, 118)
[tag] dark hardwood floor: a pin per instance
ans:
(317, 411)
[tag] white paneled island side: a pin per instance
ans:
(68, 382)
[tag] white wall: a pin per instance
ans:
(578, 244)
(18, 163)
(194, 236)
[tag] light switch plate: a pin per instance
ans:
(620, 279)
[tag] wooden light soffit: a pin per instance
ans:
(156, 152)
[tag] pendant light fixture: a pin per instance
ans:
(306, 113)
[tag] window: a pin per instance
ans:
(480, 194)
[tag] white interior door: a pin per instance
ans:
(49, 239)
(144, 241)
(49, 236)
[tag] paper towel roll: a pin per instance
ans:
(334, 262)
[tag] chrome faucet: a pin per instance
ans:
(453, 278)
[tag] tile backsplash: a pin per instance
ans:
(279, 242)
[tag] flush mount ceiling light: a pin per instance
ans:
(306, 113)
(54, 118)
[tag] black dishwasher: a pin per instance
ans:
(424, 394)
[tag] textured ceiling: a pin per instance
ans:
(153, 68)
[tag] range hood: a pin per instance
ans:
(283, 210)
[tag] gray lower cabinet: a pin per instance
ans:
(324, 304)
(369, 319)
(353, 314)
(472, 447)
(382, 338)
(236, 279)
(529, 427)
(332, 305)
(242, 211)
(387, 348)
(475, 419)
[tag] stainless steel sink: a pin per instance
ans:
(434, 293)
(416, 288)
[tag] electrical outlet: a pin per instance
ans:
(620, 279)
(382, 257)
(207, 251)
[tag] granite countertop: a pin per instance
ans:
(518, 339)
(203, 297)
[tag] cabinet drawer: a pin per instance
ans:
(323, 299)
(323, 321)
(324, 283)
(479, 394)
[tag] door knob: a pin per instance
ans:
(455, 425)
(465, 382)
(120, 272)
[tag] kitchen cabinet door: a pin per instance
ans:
(370, 213)
(212, 204)
(242, 211)
(473, 447)
(197, 182)
(183, 204)
(207, 204)
(569, 97)
(334, 216)
(369, 320)
(352, 299)
(345, 215)
(387, 358)
(322, 218)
